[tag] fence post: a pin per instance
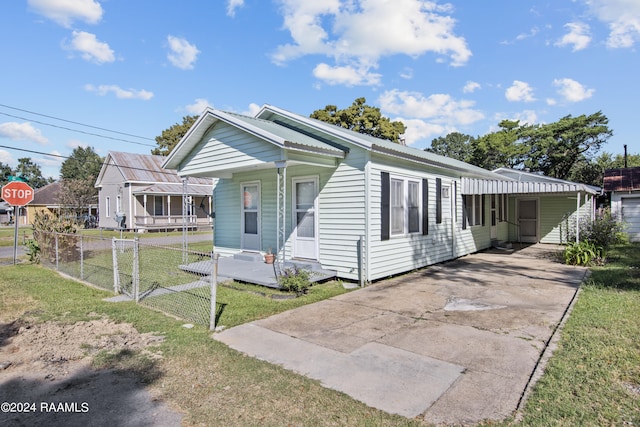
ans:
(57, 253)
(214, 291)
(136, 270)
(116, 274)
(81, 259)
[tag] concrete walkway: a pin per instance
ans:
(455, 343)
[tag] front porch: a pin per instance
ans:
(249, 267)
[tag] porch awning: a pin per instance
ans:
(489, 186)
(174, 189)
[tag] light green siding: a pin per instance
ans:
(225, 147)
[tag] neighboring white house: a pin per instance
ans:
(624, 186)
(136, 193)
(362, 206)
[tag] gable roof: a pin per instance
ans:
(378, 145)
(622, 179)
(47, 195)
(268, 131)
(143, 169)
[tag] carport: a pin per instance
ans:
(453, 343)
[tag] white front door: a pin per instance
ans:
(528, 220)
(305, 218)
(250, 216)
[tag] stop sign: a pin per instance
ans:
(17, 193)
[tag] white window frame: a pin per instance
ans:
(107, 202)
(404, 200)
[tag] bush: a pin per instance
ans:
(584, 253)
(295, 279)
(33, 250)
(45, 229)
(604, 231)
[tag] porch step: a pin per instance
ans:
(503, 246)
(249, 256)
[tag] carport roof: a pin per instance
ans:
(521, 182)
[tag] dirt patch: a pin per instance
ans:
(46, 375)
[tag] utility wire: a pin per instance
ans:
(79, 131)
(75, 123)
(60, 156)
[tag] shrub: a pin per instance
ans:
(584, 253)
(45, 228)
(33, 250)
(295, 279)
(604, 231)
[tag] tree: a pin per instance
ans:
(171, 136)
(76, 195)
(5, 172)
(591, 172)
(501, 148)
(31, 171)
(455, 145)
(83, 163)
(362, 118)
(555, 148)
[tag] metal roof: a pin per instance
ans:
(520, 182)
(146, 168)
(622, 179)
(175, 189)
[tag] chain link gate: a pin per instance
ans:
(125, 267)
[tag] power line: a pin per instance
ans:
(60, 156)
(79, 131)
(75, 123)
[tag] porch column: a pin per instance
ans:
(144, 203)
(281, 207)
(168, 209)
(578, 219)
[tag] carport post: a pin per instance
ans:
(578, 219)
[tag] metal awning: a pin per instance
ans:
(490, 186)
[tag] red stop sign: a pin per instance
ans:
(17, 193)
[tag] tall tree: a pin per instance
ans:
(5, 172)
(32, 172)
(362, 118)
(83, 163)
(555, 148)
(501, 148)
(454, 145)
(171, 137)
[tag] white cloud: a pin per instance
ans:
(428, 115)
(470, 87)
(252, 110)
(407, 73)
(345, 75)
(623, 19)
(522, 36)
(182, 53)
(90, 48)
(6, 158)
(551, 101)
(519, 91)
(578, 36)
(22, 132)
(198, 106)
(65, 12)
(74, 143)
(572, 91)
(233, 5)
(357, 33)
(525, 117)
(120, 93)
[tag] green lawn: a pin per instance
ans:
(593, 378)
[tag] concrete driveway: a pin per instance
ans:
(455, 343)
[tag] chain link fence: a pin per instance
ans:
(176, 281)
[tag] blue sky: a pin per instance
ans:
(134, 68)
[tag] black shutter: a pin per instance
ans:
(425, 207)
(438, 201)
(385, 205)
(483, 209)
(464, 212)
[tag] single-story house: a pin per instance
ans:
(136, 193)
(364, 207)
(624, 186)
(45, 200)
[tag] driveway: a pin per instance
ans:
(455, 343)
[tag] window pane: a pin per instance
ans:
(468, 209)
(305, 224)
(414, 207)
(157, 206)
(397, 208)
(305, 195)
(477, 220)
(251, 222)
(251, 197)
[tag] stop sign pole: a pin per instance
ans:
(17, 194)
